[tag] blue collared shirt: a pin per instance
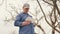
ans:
(28, 29)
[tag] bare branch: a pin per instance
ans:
(48, 3)
(45, 17)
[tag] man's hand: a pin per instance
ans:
(26, 23)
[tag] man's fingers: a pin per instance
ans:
(26, 23)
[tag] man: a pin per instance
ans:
(25, 26)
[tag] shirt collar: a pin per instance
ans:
(25, 13)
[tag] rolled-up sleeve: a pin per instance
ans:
(17, 21)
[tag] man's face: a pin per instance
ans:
(25, 9)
